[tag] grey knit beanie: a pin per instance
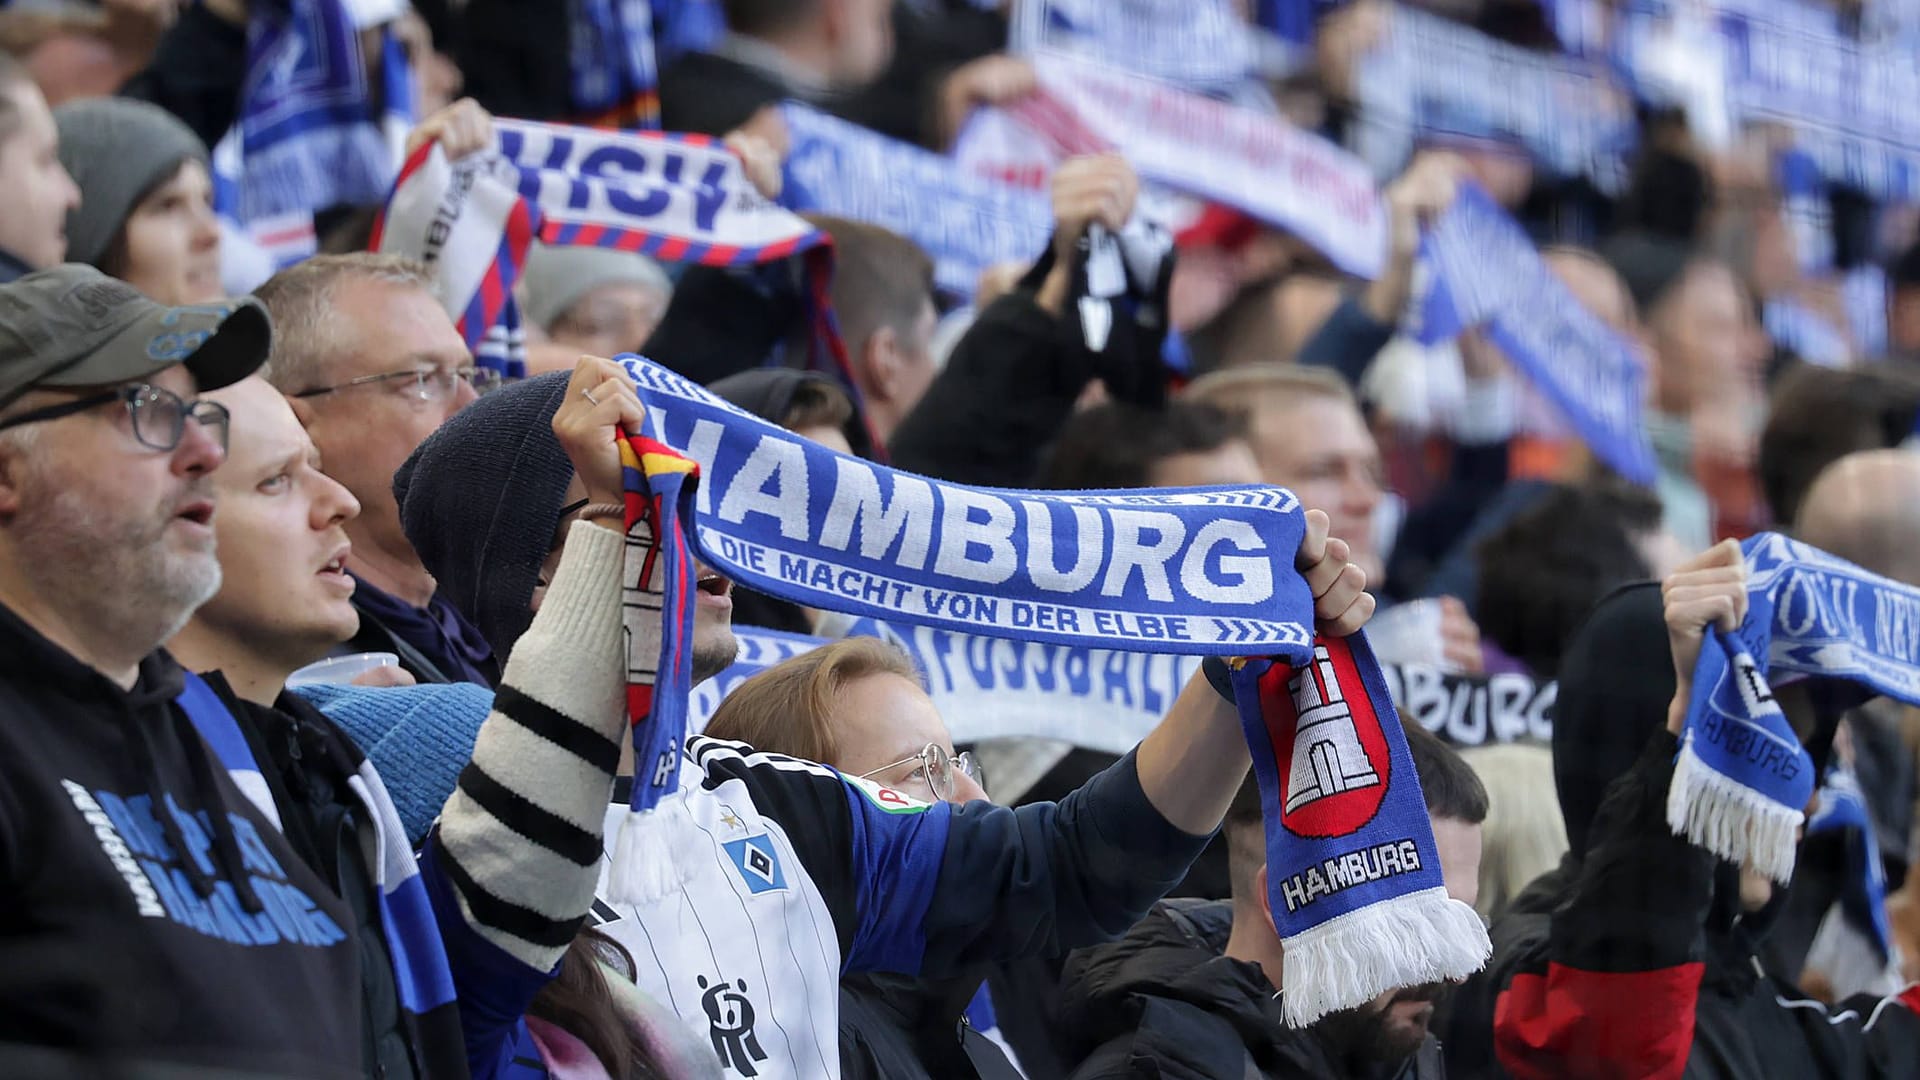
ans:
(116, 150)
(557, 277)
(480, 501)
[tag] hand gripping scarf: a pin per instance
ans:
(1355, 882)
(1742, 781)
(675, 198)
(657, 594)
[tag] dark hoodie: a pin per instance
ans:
(1165, 1002)
(1633, 957)
(112, 943)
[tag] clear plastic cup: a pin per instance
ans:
(1408, 633)
(340, 670)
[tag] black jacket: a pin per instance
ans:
(306, 762)
(1164, 1002)
(1633, 958)
(897, 1028)
(1014, 377)
(234, 955)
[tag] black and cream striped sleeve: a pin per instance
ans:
(520, 838)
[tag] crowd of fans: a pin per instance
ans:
(216, 472)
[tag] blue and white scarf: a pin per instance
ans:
(614, 82)
(1195, 571)
(1474, 710)
(1742, 780)
(1201, 45)
(1433, 78)
(1487, 273)
(1353, 877)
(1746, 62)
(421, 975)
(657, 600)
(1863, 887)
(965, 223)
(1256, 163)
(675, 198)
(1109, 699)
(996, 687)
(1846, 102)
(311, 130)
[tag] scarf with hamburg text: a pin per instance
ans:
(1356, 887)
(1742, 780)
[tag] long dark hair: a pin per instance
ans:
(580, 1002)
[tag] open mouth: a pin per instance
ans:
(335, 569)
(713, 584)
(200, 512)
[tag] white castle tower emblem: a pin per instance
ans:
(1327, 756)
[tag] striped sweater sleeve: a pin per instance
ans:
(520, 838)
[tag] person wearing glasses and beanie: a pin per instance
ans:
(154, 913)
(860, 706)
(373, 365)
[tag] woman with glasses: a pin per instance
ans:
(859, 706)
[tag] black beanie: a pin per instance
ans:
(768, 393)
(480, 501)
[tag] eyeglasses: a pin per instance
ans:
(159, 415)
(429, 385)
(939, 768)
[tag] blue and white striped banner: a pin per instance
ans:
(1432, 77)
(966, 223)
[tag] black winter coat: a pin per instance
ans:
(1164, 1002)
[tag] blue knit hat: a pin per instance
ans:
(480, 501)
(418, 738)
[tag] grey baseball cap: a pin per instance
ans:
(75, 326)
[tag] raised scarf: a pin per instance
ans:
(1487, 273)
(614, 82)
(1431, 78)
(312, 131)
(1201, 45)
(1255, 163)
(658, 597)
(675, 198)
(964, 222)
(1356, 895)
(1742, 780)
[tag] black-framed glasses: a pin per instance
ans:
(939, 767)
(431, 384)
(159, 415)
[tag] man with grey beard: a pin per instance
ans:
(155, 916)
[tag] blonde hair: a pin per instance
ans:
(306, 328)
(1524, 835)
(1241, 390)
(789, 708)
